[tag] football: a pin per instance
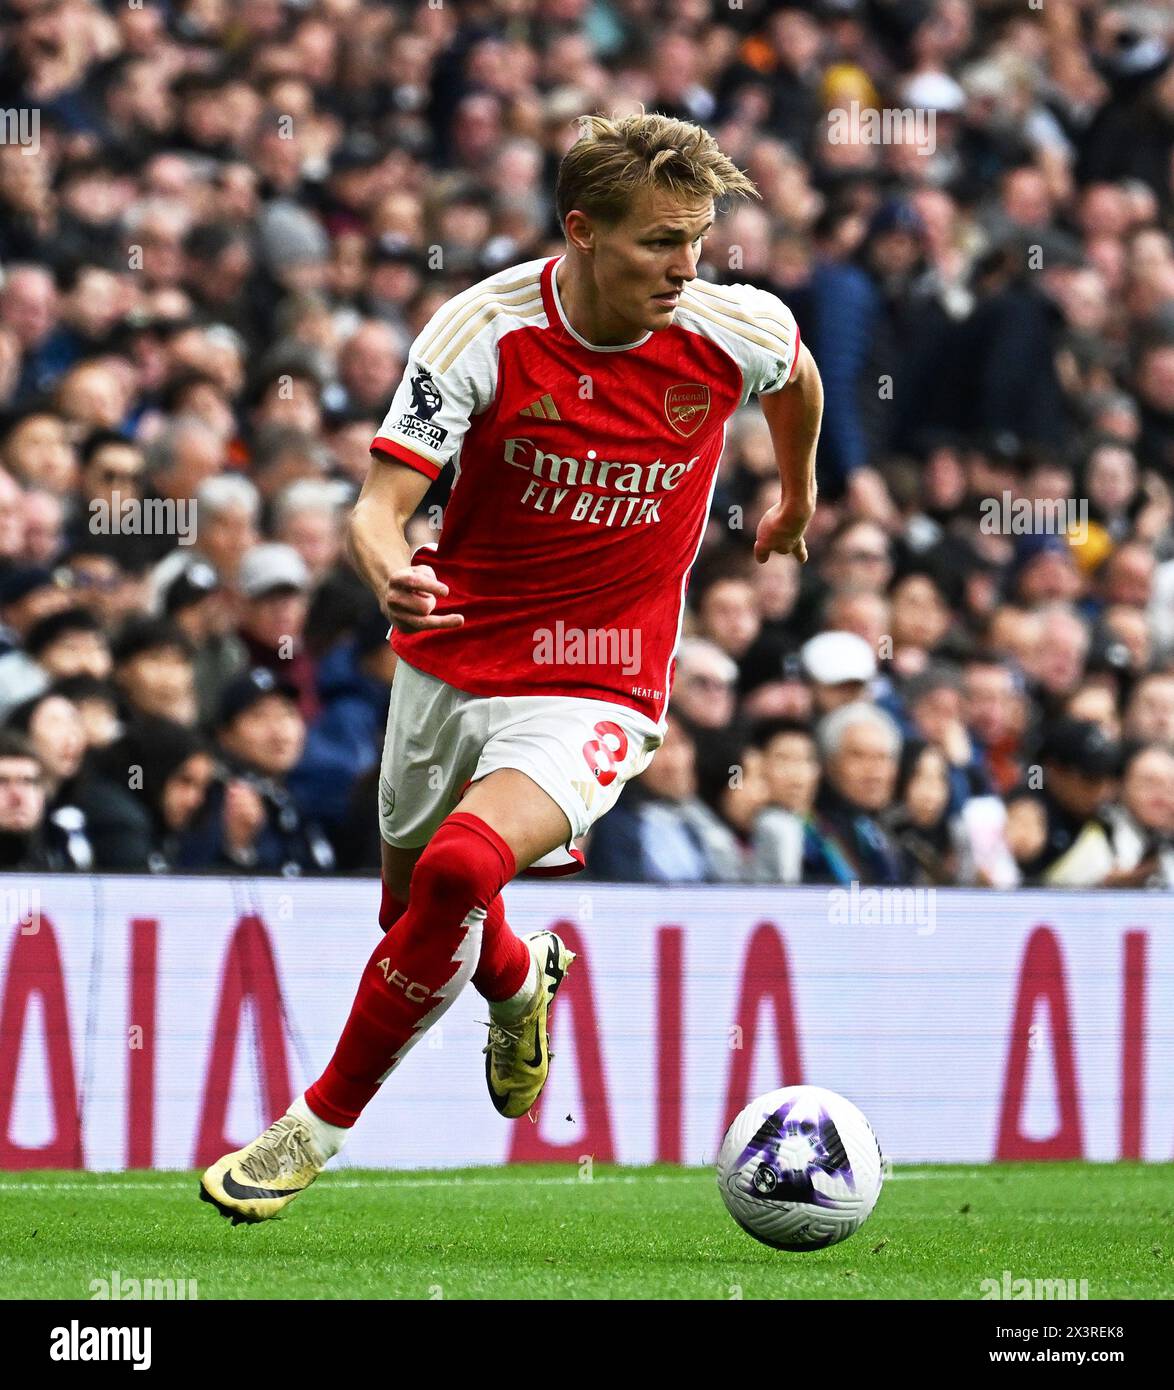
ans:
(800, 1168)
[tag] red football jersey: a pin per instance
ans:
(584, 477)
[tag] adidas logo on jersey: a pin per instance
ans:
(544, 409)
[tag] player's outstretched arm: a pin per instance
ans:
(379, 549)
(794, 415)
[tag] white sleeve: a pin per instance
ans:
(753, 326)
(774, 349)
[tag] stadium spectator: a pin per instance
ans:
(27, 595)
(1141, 825)
(994, 707)
(863, 613)
(703, 692)
(174, 769)
(728, 616)
(103, 824)
(788, 848)
(29, 308)
(28, 841)
(154, 671)
(108, 578)
(921, 822)
(343, 743)
(185, 456)
(858, 557)
(71, 642)
(369, 368)
(1079, 766)
(734, 789)
(1149, 714)
(860, 746)
(38, 453)
(308, 516)
(839, 667)
(227, 515)
(11, 520)
(99, 706)
(196, 604)
(919, 621)
(112, 468)
(250, 819)
(1096, 703)
(44, 527)
(934, 704)
(274, 582)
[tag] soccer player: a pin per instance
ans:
(583, 401)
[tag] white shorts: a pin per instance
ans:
(440, 739)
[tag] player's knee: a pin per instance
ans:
(462, 868)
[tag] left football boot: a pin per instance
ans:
(517, 1056)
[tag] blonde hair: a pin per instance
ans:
(613, 159)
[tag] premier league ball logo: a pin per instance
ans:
(764, 1179)
(792, 1146)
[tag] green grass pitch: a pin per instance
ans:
(543, 1232)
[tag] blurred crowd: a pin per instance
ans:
(222, 223)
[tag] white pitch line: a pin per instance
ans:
(449, 1183)
(101, 1187)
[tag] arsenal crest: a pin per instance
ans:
(686, 407)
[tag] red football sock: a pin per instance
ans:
(391, 908)
(419, 967)
(505, 958)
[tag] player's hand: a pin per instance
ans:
(410, 598)
(780, 532)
